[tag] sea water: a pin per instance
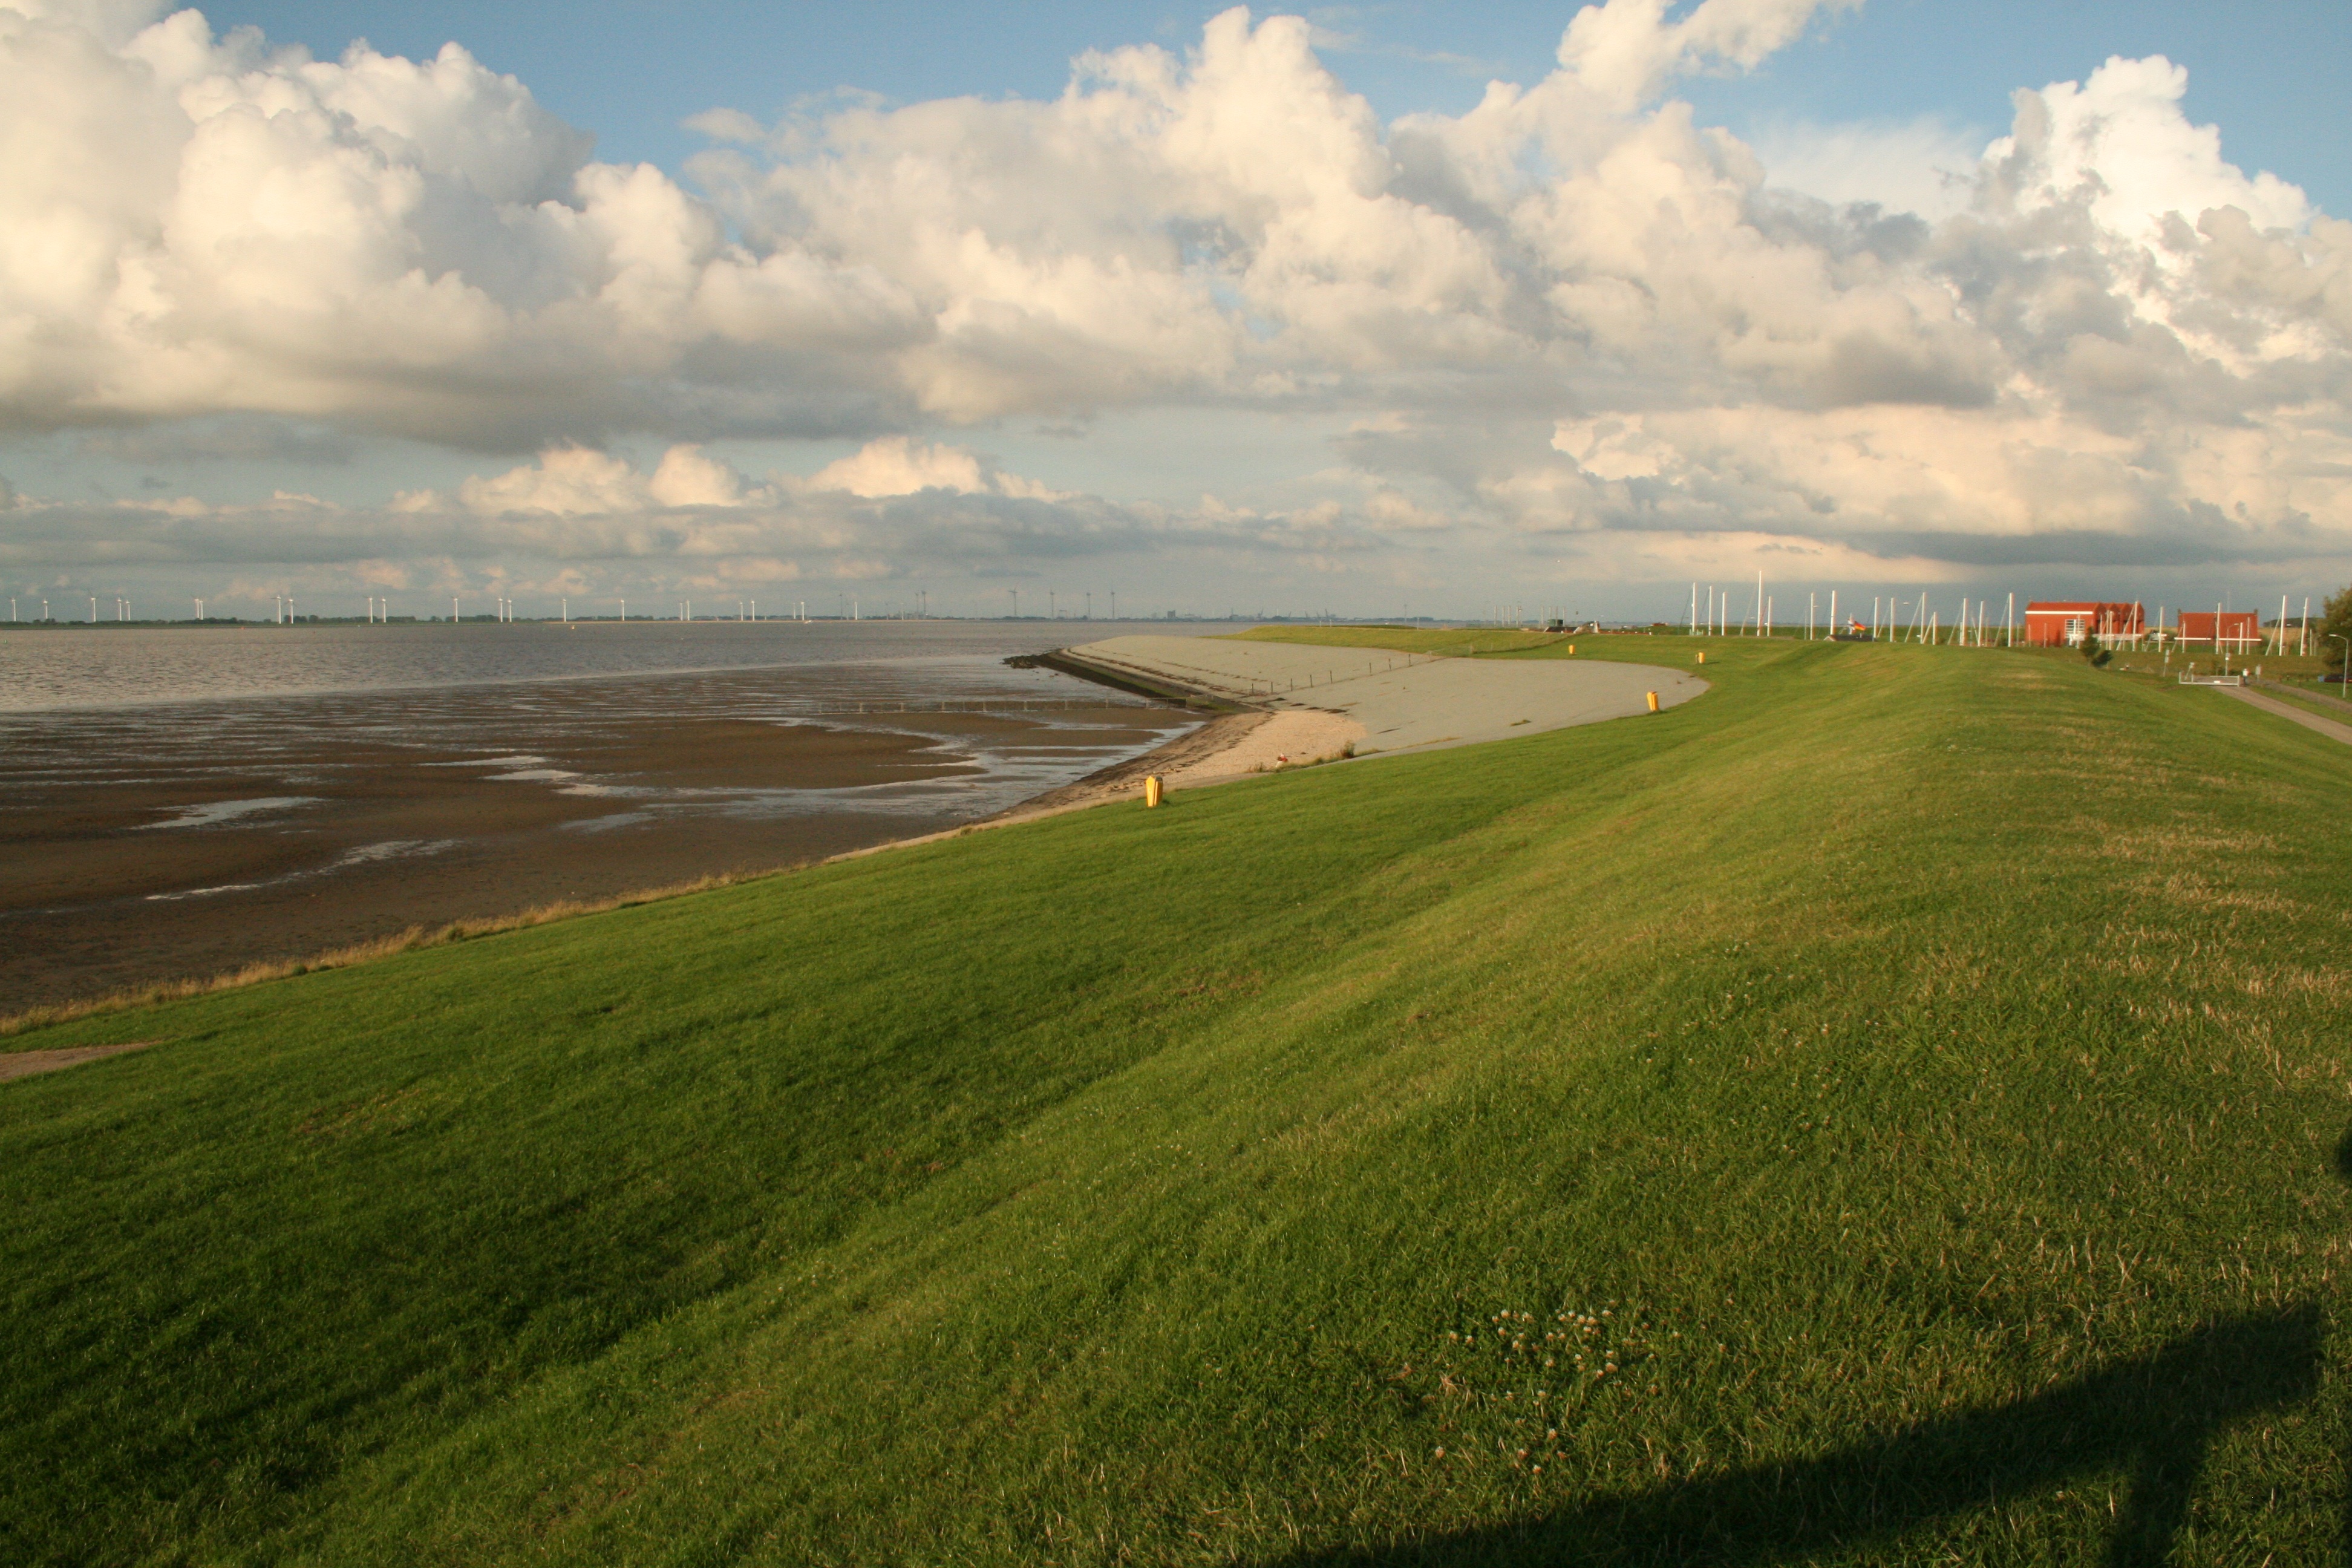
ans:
(85, 667)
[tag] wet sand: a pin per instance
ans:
(1199, 756)
(1230, 746)
(155, 844)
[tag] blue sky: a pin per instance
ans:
(1276, 310)
(2271, 73)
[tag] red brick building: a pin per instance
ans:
(2238, 629)
(2064, 623)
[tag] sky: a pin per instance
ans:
(1370, 310)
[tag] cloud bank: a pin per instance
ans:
(1570, 332)
(576, 521)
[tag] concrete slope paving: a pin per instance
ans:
(1402, 703)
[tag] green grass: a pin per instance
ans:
(1918, 1073)
(1451, 642)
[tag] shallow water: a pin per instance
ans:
(101, 665)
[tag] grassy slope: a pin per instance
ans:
(1919, 1066)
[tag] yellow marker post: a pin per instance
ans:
(1653, 702)
(1152, 789)
(1572, 648)
(1702, 655)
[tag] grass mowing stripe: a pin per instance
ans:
(1897, 1059)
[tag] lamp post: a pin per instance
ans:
(2338, 636)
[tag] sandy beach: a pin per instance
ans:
(1298, 704)
(1384, 703)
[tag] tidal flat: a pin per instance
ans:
(148, 837)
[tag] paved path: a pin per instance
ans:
(2303, 716)
(1402, 703)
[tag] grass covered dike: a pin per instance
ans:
(1889, 1109)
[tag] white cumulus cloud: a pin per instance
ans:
(1623, 50)
(894, 466)
(576, 483)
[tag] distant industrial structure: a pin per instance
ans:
(2224, 631)
(2065, 623)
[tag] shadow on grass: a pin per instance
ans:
(2155, 1414)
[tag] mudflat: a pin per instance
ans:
(149, 845)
